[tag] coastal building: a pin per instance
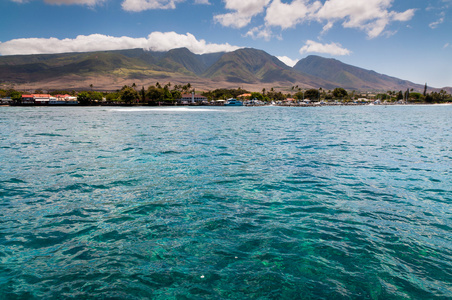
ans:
(192, 98)
(64, 99)
(55, 100)
(41, 98)
(47, 99)
(28, 99)
(6, 100)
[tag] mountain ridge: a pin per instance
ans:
(249, 67)
(350, 77)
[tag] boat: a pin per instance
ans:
(233, 102)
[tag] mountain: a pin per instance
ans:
(182, 60)
(256, 66)
(351, 77)
(248, 68)
(135, 63)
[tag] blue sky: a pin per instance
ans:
(408, 39)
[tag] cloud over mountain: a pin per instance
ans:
(156, 41)
(332, 48)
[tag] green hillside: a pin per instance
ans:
(252, 65)
(248, 66)
(350, 77)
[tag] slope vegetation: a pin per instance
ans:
(350, 77)
(248, 67)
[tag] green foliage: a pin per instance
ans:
(167, 94)
(272, 95)
(416, 96)
(143, 94)
(16, 96)
(340, 93)
(159, 93)
(176, 94)
(438, 97)
(383, 96)
(128, 94)
(224, 93)
(299, 95)
(60, 92)
(88, 97)
(83, 98)
(257, 96)
(155, 93)
(112, 97)
(312, 94)
(328, 96)
(95, 96)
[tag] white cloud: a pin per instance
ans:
(67, 2)
(287, 15)
(287, 60)
(327, 27)
(163, 41)
(129, 5)
(404, 16)
(332, 48)
(156, 41)
(140, 5)
(80, 2)
(260, 32)
(371, 16)
(234, 20)
(435, 24)
(243, 12)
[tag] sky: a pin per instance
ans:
(407, 39)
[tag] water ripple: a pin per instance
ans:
(243, 203)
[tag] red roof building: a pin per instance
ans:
(41, 98)
(28, 99)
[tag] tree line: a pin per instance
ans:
(169, 93)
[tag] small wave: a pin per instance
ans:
(169, 152)
(14, 180)
(166, 109)
(47, 134)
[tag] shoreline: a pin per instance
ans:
(216, 105)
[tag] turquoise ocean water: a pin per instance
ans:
(226, 203)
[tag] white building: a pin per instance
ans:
(192, 98)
